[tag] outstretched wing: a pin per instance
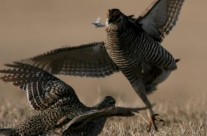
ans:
(159, 19)
(43, 90)
(105, 112)
(89, 60)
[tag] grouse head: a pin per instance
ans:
(115, 16)
(108, 101)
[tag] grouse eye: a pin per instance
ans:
(112, 102)
(109, 100)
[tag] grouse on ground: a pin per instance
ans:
(133, 47)
(58, 105)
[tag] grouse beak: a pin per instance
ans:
(107, 17)
(107, 22)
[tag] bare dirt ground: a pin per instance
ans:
(28, 28)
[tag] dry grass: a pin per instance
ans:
(12, 113)
(188, 119)
(32, 27)
(177, 122)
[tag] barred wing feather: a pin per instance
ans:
(43, 90)
(159, 19)
(90, 60)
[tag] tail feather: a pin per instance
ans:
(8, 132)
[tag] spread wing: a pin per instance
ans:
(159, 19)
(43, 90)
(89, 60)
(105, 112)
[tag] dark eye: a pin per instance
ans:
(112, 102)
(119, 19)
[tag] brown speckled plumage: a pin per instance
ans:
(58, 105)
(133, 46)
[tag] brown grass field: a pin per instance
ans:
(186, 120)
(28, 28)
